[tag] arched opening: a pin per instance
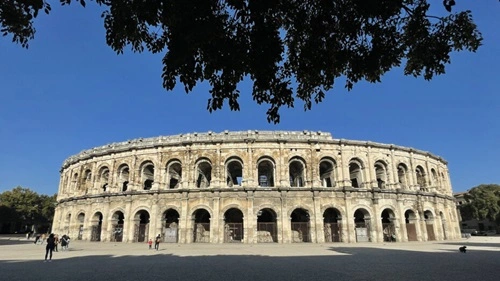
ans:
(411, 228)
(327, 172)
(355, 174)
(332, 225)
(300, 226)
(123, 176)
(296, 172)
(96, 227)
(435, 182)
(171, 226)
(74, 182)
(141, 226)
(148, 176)
(421, 181)
(81, 222)
(267, 229)
(429, 224)
(87, 180)
(265, 171)
(234, 171)
(174, 174)
(381, 174)
(103, 178)
(117, 224)
(204, 170)
(233, 226)
(362, 225)
(201, 224)
(388, 227)
(403, 175)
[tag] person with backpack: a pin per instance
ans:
(51, 243)
(157, 242)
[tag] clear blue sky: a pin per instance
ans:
(69, 92)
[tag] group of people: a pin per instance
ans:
(157, 242)
(52, 242)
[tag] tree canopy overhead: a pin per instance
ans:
(290, 49)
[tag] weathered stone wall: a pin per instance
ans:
(308, 171)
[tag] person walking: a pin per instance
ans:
(51, 243)
(157, 242)
(150, 243)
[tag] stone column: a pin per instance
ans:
(318, 222)
(250, 221)
(344, 165)
(413, 176)
(216, 219)
(348, 231)
(403, 236)
(249, 177)
(105, 230)
(395, 177)
(185, 221)
(371, 180)
(377, 228)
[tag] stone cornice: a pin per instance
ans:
(232, 137)
(253, 190)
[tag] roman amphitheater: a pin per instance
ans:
(255, 187)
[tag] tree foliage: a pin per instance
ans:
(483, 202)
(290, 49)
(22, 205)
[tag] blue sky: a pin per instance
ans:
(69, 92)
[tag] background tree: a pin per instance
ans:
(483, 203)
(22, 208)
(289, 49)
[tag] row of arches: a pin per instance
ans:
(267, 227)
(327, 174)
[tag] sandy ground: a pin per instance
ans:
(22, 260)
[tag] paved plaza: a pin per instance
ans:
(22, 260)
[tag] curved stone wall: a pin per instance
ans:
(255, 187)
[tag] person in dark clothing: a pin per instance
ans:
(157, 242)
(51, 243)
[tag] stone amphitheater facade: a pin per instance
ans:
(255, 187)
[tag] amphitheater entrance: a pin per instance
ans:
(429, 225)
(300, 226)
(233, 226)
(141, 226)
(267, 229)
(81, 220)
(411, 228)
(362, 225)
(201, 224)
(332, 225)
(171, 226)
(388, 227)
(96, 227)
(117, 223)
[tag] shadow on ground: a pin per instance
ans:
(355, 263)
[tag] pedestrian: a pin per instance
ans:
(56, 240)
(50, 247)
(157, 242)
(37, 238)
(64, 242)
(150, 242)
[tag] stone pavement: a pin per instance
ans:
(22, 260)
